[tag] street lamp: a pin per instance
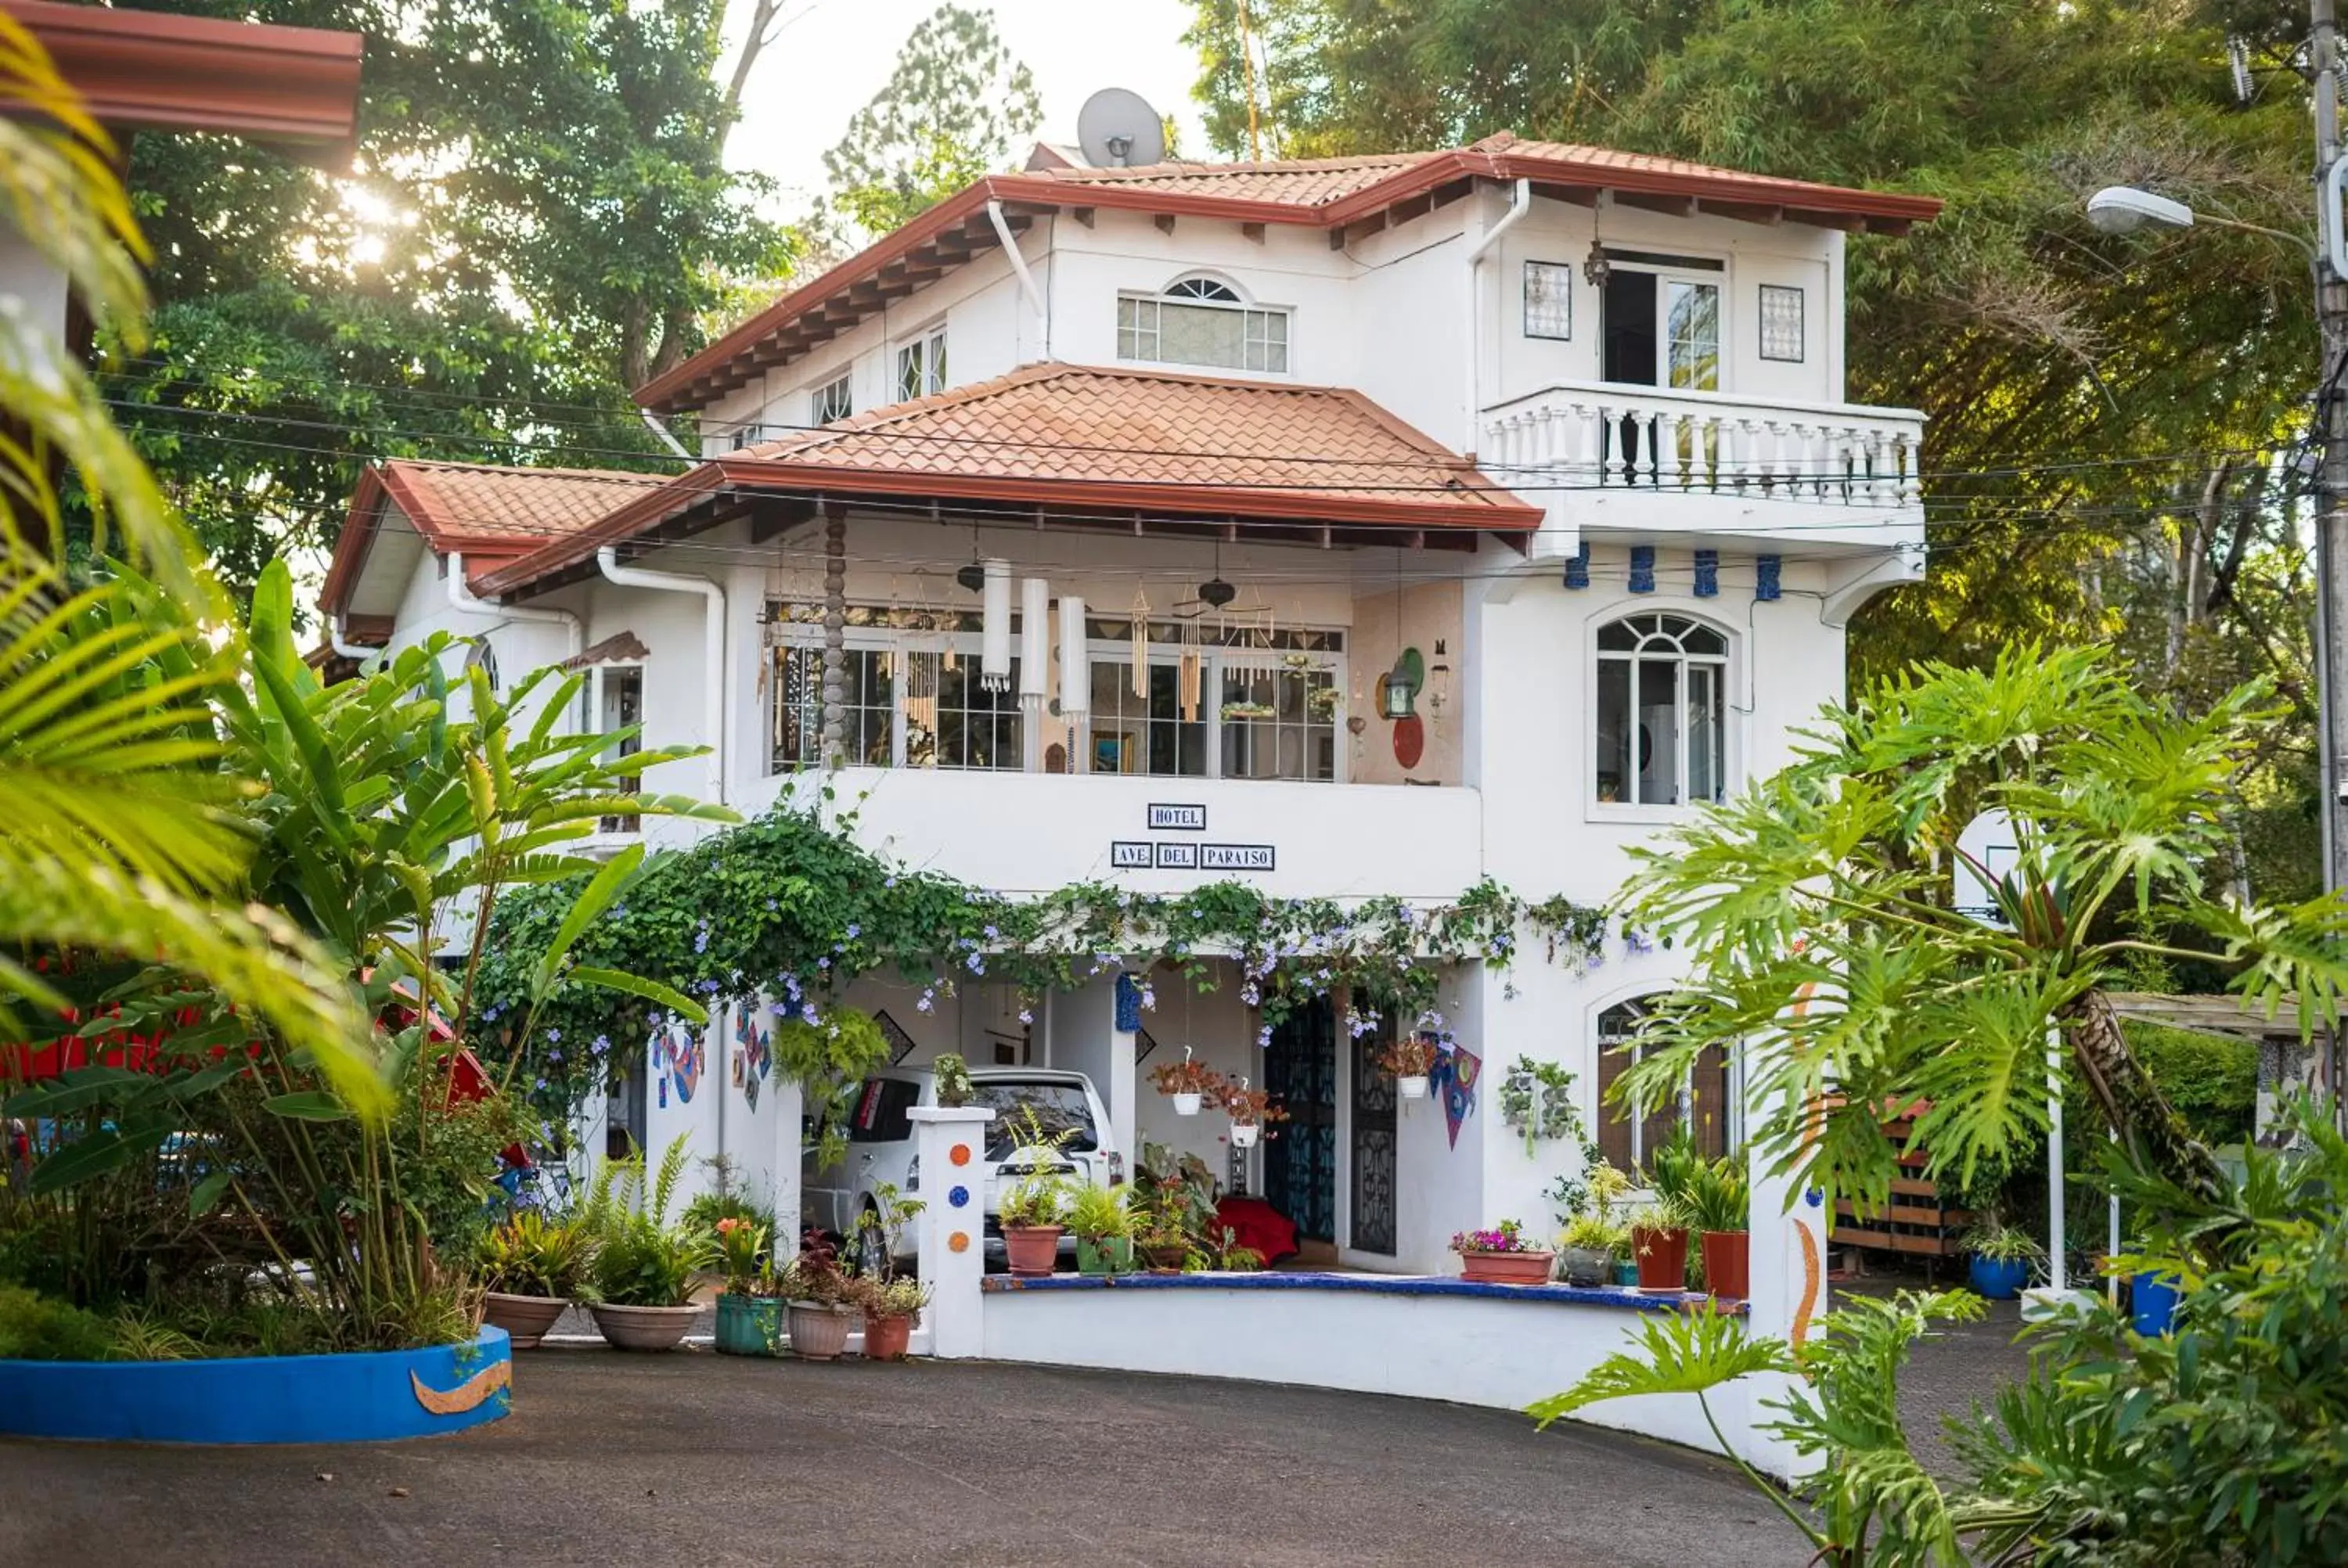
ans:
(2124, 210)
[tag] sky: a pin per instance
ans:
(833, 54)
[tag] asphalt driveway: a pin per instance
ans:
(699, 1459)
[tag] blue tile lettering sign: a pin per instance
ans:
(1182, 818)
(1235, 858)
(1129, 855)
(1178, 856)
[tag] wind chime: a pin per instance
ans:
(994, 627)
(917, 690)
(1246, 634)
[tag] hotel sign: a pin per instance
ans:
(1186, 854)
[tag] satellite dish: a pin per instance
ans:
(1119, 130)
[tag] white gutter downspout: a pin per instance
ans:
(1517, 208)
(717, 689)
(1019, 266)
(461, 596)
(348, 650)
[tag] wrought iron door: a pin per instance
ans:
(1300, 1161)
(1373, 1149)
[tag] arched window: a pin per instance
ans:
(1703, 1103)
(1199, 321)
(486, 657)
(1662, 711)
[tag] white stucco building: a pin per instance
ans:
(1551, 438)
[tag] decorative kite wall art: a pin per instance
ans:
(754, 1053)
(1453, 1078)
(678, 1057)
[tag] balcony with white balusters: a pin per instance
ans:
(1709, 467)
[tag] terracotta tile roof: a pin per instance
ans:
(1327, 193)
(1302, 183)
(475, 502)
(1104, 443)
(493, 514)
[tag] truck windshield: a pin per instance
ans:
(1057, 1107)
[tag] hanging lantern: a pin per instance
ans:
(1034, 643)
(994, 644)
(1216, 593)
(1076, 688)
(1597, 269)
(1394, 694)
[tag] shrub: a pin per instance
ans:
(43, 1328)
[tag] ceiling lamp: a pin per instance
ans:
(972, 577)
(1396, 689)
(1216, 593)
(1597, 269)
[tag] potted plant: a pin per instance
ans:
(645, 1266)
(1409, 1061)
(750, 1311)
(1188, 1082)
(1659, 1236)
(1502, 1256)
(1588, 1248)
(1103, 1231)
(1174, 1207)
(1250, 1110)
(890, 1307)
(1719, 1208)
(952, 1075)
(2003, 1258)
(823, 1303)
(1031, 1210)
(1162, 1244)
(531, 1268)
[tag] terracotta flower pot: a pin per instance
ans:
(525, 1317)
(885, 1338)
(644, 1328)
(819, 1333)
(1507, 1268)
(748, 1325)
(1728, 1263)
(1031, 1250)
(1166, 1259)
(1662, 1257)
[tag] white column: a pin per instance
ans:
(951, 1143)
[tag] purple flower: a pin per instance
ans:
(854, 930)
(552, 1033)
(977, 964)
(823, 963)
(925, 1004)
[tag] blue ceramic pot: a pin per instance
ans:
(2000, 1279)
(2152, 1298)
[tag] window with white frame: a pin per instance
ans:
(832, 399)
(1231, 704)
(913, 697)
(1661, 714)
(1280, 724)
(1781, 322)
(1198, 321)
(1549, 298)
(921, 366)
(612, 702)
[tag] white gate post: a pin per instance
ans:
(952, 1146)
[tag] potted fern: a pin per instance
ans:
(531, 1268)
(644, 1265)
(1103, 1231)
(750, 1311)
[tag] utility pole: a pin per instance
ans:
(2332, 469)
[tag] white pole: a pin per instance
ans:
(2112, 1282)
(2054, 1160)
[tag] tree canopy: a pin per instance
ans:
(2109, 418)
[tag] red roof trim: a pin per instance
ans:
(147, 70)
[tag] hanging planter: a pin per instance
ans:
(1188, 1082)
(1410, 1062)
(1250, 1110)
(1244, 1135)
(1412, 1086)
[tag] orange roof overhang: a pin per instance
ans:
(958, 228)
(148, 70)
(1127, 502)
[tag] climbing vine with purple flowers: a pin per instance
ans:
(789, 906)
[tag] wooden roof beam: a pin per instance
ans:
(1165, 221)
(1768, 213)
(1672, 206)
(1084, 215)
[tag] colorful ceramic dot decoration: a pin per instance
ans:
(959, 1197)
(959, 1154)
(958, 1242)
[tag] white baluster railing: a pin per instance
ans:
(1598, 435)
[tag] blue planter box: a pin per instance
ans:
(370, 1397)
(2000, 1279)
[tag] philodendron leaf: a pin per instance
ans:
(306, 1105)
(209, 1191)
(86, 1158)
